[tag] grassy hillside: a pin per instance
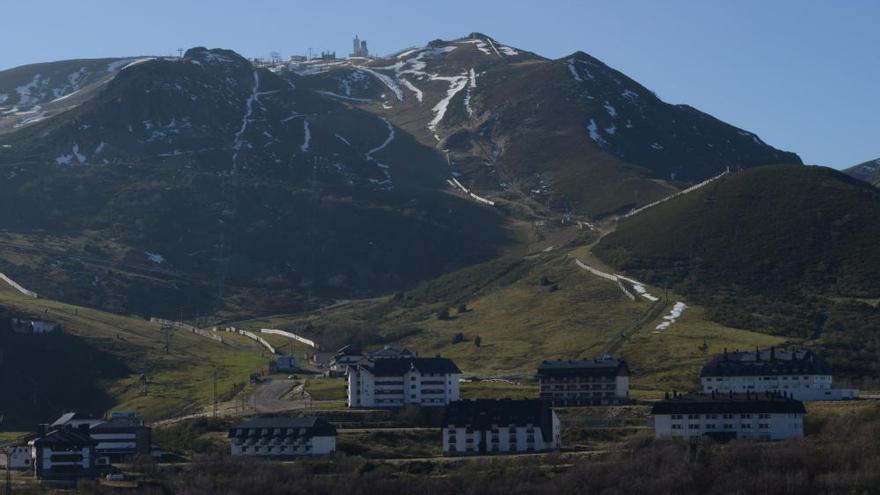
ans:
(525, 309)
(788, 250)
(97, 363)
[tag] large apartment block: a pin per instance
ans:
(797, 373)
(729, 416)
(591, 382)
(397, 382)
(488, 426)
(282, 437)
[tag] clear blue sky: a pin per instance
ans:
(802, 74)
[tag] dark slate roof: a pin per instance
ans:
(767, 362)
(64, 436)
(483, 414)
(399, 366)
(389, 351)
(314, 426)
(591, 367)
(726, 404)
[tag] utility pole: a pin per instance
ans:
(214, 386)
(180, 53)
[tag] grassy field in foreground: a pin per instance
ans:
(178, 381)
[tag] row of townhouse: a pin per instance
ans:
(767, 416)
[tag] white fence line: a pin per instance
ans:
(250, 335)
(679, 193)
(290, 335)
(628, 294)
(15, 285)
(190, 328)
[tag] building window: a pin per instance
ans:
(676, 427)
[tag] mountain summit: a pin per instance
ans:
(209, 176)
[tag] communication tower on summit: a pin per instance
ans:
(359, 48)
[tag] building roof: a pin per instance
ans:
(483, 414)
(64, 436)
(400, 366)
(767, 362)
(390, 351)
(605, 366)
(313, 426)
(729, 404)
(73, 418)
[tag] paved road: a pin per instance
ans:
(268, 397)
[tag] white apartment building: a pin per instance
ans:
(759, 416)
(63, 453)
(589, 382)
(283, 436)
(799, 374)
(485, 426)
(398, 382)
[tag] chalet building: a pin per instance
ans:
(397, 382)
(729, 416)
(63, 453)
(120, 439)
(349, 356)
(798, 373)
(591, 382)
(16, 458)
(485, 426)
(283, 436)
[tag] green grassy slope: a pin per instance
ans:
(784, 249)
(109, 353)
(521, 322)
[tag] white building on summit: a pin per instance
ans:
(795, 373)
(359, 48)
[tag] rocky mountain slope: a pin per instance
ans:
(573, 133)
(228, 175)
(202, 183)
(868, 172)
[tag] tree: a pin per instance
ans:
(443, 314)
(459, 337)
(462, 308)
(478, 340)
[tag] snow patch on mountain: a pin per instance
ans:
(418, 92)
(480, 44)
(456, 84)
(386, 80)
(611, 110)
(593, 128)
(25, 92)
(137, 62)
(673, 316)
(239, 141)
(510, 52)
(154, 257)
(67, 159)
(307, 136)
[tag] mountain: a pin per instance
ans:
(31, 93)
(205, 174)
(571, 132)
(208, 183)
(868, 172)
(788, 250)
